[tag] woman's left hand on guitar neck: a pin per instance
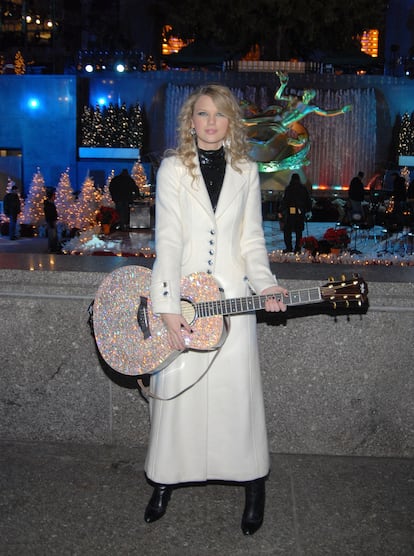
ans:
(272, 304)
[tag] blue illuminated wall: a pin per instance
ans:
(38, 117)
(39, 114)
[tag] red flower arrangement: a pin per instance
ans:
(107, 215)
(337, 237)
(310, 243)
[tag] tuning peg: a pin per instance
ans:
(331, 279)
(343, 277)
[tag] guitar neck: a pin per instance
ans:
(251, 303)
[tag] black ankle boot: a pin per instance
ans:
(254, 509)
(157, 506)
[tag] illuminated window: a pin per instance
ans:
(369, 42)
(171, 44)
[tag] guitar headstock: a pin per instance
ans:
(346, 292)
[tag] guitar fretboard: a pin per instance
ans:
(255, 302)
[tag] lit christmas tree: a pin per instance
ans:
(97, 128)
(139, 176)
(123, 126)
(405, 173)
(87, 133)
(87, 205)
(110, 123)
(406, 134)
(106, 199)
(136, 130)
(19, 65)
(65, 201)
(114, 126)
(150, 64)
(33, 209)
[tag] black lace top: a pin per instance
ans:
(213, 167)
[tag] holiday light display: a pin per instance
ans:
(19, 65)
(112, 126)
(33, 210)
(87, 205)
(65, 201)
(106, 199)
(406, 135)
(139, 176)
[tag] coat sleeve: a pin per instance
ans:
(166, 274)
(253, 244)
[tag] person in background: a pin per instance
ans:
(206, 407)
(295, 205)
(356, 196)
(123, 190)
(410, 197)
(12, 208)
(51, 217)
(399, 192)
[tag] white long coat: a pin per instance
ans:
(216, 429)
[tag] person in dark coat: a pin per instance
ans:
(12, 208)
(399, 192)
(296, 202)
(123, 190)
(51, 217)
(356, 195)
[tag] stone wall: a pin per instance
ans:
(333, 385)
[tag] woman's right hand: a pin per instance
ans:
(175, 324)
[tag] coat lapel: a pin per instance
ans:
(232, 185)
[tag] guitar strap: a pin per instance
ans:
(147, 393)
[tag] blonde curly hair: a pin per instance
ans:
(236, 145)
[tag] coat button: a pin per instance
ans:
(209, 271)
(212, 232)
(211, 252)
(210, 262)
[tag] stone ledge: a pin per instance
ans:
(333, 385)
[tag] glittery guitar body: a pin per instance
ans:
(133, 340)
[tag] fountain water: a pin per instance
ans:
(339, 145)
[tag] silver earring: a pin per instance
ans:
(227, 143)
(192, 132)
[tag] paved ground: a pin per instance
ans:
(60, 499)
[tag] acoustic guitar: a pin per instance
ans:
(133, 340)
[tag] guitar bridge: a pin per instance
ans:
(142, 317)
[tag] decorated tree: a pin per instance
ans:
(106, 199)
(19, 65)
(112, 126)
(87, 205)
(33, 209)
(136, 130)
(65, 201)
(97, 128)
(123, 126)
(405, 138)
(150, 64)
(87, 132)
(139, 176)
(110, 122)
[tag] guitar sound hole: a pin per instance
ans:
(188, 311)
